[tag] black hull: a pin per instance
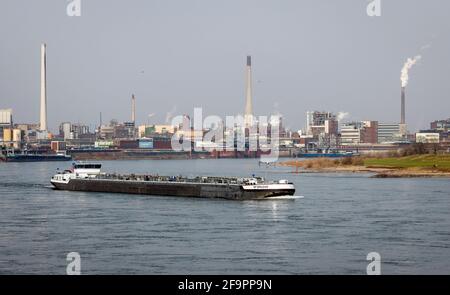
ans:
(196, 190)
(36, 158)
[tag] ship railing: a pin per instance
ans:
(157, 178)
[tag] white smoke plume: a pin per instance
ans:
(170, 113)
(406, 67)
(342, 115)
(425, 47)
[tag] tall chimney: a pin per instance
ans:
(133, 109)
(402, 116)
(248, 117)
(43, 112)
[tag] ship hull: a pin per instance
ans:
(197, 190)
(324, 155)
(37, 158)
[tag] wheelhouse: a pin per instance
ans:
(87, 166)
(86, 169)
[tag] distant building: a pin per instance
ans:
(441, 125)
(6, 117)
(369, 132)
(6, 122)
(79, 130)
(321, 122)
(359, 132)
(389, 132)
(427, 137)
(70, 131)
(131, 129)
(58, 146)
(106, 132)
(115, 130)
(26, 127)
(65, 130)
(12, 138)
(351, 133)
(323, 127)
(7, 136)
(125, 130)
(150, 130)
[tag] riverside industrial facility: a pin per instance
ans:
(324, 131)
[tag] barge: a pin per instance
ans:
(36, 157)
(88, 177)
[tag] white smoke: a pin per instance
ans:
(406, 67)
(342, 115)
(170, 113)
(425, 47)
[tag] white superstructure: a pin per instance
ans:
(78, 170)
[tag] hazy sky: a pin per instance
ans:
(176, 55)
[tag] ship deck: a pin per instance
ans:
(179, 179)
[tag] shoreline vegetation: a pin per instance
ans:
(424, 165)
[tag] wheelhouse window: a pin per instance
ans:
(88, 166)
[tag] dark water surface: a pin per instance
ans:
(339, 221)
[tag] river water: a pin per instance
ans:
(341, 218)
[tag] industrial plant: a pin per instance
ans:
(325, 133)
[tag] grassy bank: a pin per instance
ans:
(409, 166)
(424, 162)
(320, 163)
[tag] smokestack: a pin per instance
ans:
(402, 116)
(248, 117)
(43, 112)
(404, 78)
(133, 109)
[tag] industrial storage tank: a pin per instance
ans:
(7, 134)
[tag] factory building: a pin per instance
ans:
(369, 132)
(149, 130)
(440, 125)
(359, 132)
(389, 132)
(351, 133)
(6, 123)
(427, 137)
(321, 122)
(9, 137)
(70, 131)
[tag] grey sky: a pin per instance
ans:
(307, 55)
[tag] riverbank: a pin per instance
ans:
(389, 167)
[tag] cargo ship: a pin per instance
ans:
(35, 157)
(87, 177)
(326, 153)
